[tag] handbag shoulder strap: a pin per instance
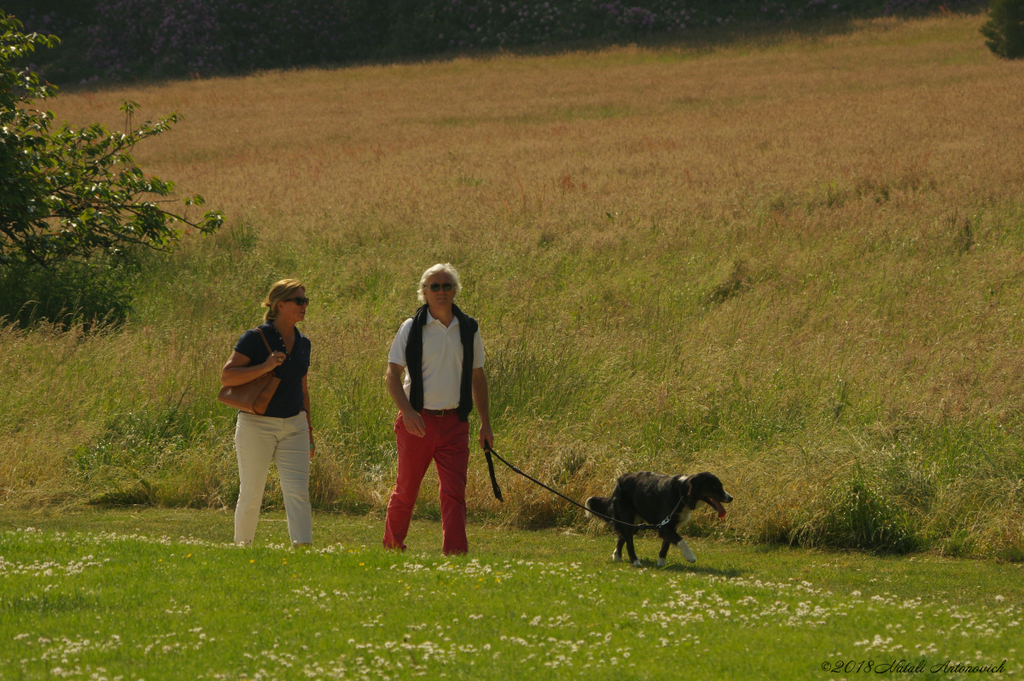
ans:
(269, 350)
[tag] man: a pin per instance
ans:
(441, 354)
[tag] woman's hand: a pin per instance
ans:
(275, 360)
(237, 370)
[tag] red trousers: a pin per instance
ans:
(447, 445)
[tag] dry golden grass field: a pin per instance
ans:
(793, 260)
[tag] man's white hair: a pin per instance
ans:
(431, 271)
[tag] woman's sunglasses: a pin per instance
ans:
(298, 300)
(447, 286)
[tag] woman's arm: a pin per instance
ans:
(237, 370)
(309, 420)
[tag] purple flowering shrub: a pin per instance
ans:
(64, 18)
(926, 6)
(180, 37)
(47, 22)
(145, 38)
(447, 24)
(443, 24)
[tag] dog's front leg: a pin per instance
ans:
(632, 551)
(664, 552)
(687, 553)
(617, 554)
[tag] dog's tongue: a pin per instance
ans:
(718, 506)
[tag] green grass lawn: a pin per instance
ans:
(158, 594)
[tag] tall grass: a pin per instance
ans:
(794, 262)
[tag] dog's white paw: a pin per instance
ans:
(687, 553)
(637, 563)
(661, 562)
(616, 556)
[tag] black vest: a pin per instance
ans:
(414, 359)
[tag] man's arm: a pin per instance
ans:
(393, 380)
(482, 402)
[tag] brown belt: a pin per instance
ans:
(440, 412)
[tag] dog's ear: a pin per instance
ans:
(686, 485)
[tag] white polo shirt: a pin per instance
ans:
(442, 361)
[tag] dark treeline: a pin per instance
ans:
(133, 39)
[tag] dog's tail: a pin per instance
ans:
(602, 505)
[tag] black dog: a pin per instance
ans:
(652, 497)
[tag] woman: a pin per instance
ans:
(283, 433)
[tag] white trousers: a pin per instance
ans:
(258, 441)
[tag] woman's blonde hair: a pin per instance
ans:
(282, 290)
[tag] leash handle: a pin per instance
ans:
(490, 468)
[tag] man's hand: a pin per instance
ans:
(414, 423)
(486, 437)
(410, 417)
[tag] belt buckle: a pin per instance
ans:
(440, 412)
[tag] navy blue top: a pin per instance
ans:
(287, 400)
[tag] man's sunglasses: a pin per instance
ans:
(447, 286)
(298, 300)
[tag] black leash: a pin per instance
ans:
(490, 467)
(497, 493)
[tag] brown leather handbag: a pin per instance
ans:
(254, 396)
